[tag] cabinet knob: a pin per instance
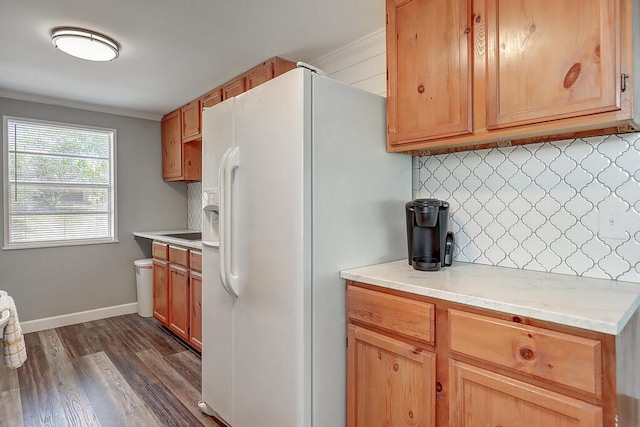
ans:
(438, 386)
(421, 89)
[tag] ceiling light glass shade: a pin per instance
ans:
(85, 44)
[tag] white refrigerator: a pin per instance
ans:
(297, 185)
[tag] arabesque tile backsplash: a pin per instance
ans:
(536, 207)
(194, 206)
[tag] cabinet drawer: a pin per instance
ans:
(403, 316)
(195, 260)
(555, 356)
(160, 250)
(179, 255)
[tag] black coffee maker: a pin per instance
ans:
(430, 245)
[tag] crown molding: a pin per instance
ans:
(20, 96)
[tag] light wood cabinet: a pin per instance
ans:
(182, 128)
(212, 98)
(160, 291)
(195, 315)
(179, 300)
(177, 284)
(234, 87)
(266, 71)
(429, 63)
(390, 382)
(464, 75)
(171, 146)
(390, 379)
(160, 275)
(191, 121)
(195, 299)
(181, 161)
(483, 398)
(462, 366)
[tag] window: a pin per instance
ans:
(59, 184)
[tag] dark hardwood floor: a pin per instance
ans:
(121, 371)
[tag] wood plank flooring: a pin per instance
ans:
(121, 371)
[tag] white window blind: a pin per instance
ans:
(59, 184)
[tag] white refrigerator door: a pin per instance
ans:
(271, 324)
(217, 304)
(359, 191)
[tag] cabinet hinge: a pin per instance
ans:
(623, 82)
(347, 343)
(387, 19)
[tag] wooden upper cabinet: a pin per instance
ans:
(212, 98)
(476, 74)
(234, 87)
(181, 161)
(191, 126)
(267, 70)
(260, 74)
(429, 69)
(548, 61)
(171, 146)
(182, 129)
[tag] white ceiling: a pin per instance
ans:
(172, 50)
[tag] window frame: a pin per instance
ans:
(6, 190)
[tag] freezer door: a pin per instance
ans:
(270, 254)
(217, 305)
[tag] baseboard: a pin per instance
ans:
(75, 318)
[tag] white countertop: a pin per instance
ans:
(593, 304)
(161, 236)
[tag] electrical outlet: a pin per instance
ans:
(612, 223)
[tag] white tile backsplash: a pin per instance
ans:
(536, 206)
(194, 205)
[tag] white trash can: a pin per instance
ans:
(144, 285)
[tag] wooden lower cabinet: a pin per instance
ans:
(472, 367)
(195, 315)
(160, 290)
(177, 291)
(479, 397)
(390, 382)
(179, 300)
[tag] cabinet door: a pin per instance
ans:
(191, 121)
(551, 60)
(171, 146)
(212, 98)
(179, 301)
(160, 291)
(389, 382)
(195, 317)
(260, 74)
(483, 398)
(234, 87)
(429, 70)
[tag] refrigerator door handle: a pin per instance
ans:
(221, 219)
(232, 163)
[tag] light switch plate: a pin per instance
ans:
(612, 223)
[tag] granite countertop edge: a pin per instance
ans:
(598, 305)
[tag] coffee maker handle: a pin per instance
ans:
(448, 250)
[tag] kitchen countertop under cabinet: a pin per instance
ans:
(593, 304)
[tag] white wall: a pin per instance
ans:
(58, 281)
(531, 207)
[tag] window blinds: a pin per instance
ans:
(60, 184)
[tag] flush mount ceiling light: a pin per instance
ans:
(85, 44)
